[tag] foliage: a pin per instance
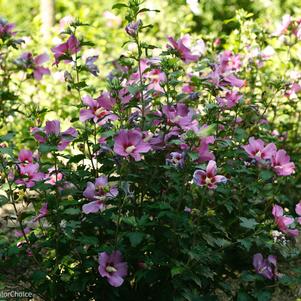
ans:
(174, 177)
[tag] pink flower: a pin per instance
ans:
(229, 100)
(53, 177)
(52, 134)
(42, 213)
(282, 28)
(281, 163)
(228, 61)
(256, 149)
(203, 149)
(98, 109)
(112, 267)
(208, 178)
(283, 221)
(25, 156)
(293, 90)
(130, 143)
(65, 50)
(298, 211)
(29, 174)
(98, 192)
(20, 233)
(39, 70)
(180, 115)
(181, 46)
(27, 61)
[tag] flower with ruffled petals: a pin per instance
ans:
(180, 115)
(66, 50)
(27, 61)
(281, 163)
(283, 222)
(98, 109)
(182, 47)
(29, 174)
(42, 212)
(256, 149)
(98, 192)
(203, 150)
(130, 143)
(230, 99)
(6, 29)
(265, 267)
(52, 135)
(208, 177)
(112, 267)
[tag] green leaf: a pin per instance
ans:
(119, 5)
(72, 211)
(135, 238)
(249, 223)
(266, 174)
(176, 271)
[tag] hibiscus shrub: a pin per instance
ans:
(173, 184)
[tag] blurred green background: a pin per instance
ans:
(205, 19)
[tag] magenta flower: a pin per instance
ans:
(98, 192)
(52, 134)
(180, 115)
(265, 267)
(130, 143)
(65, 50)
(42, 213)
(133, 28)
(6, 29)
(112, 267)
(156, 77)
(25, 156)
(293, 90)
(98, 109)
(234, 81)
(176, 159)
(29, 174)
(208, 178)
(281, 163)
(283, 222)
(181, 46)
(53, 177)
(256, 149)
(20, 233)
(282, 28)
(27, 61)
(298, 211)
(204, 153)
(229, 100)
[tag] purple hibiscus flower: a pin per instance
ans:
(112, 267)
(98, 192)
(130, 143)
(42, 212)
(65, 50)
(208, 177)
(27, 61)
(183, 48)
(265, 267)
(29, 174)
(98, 109)
(52, 134)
